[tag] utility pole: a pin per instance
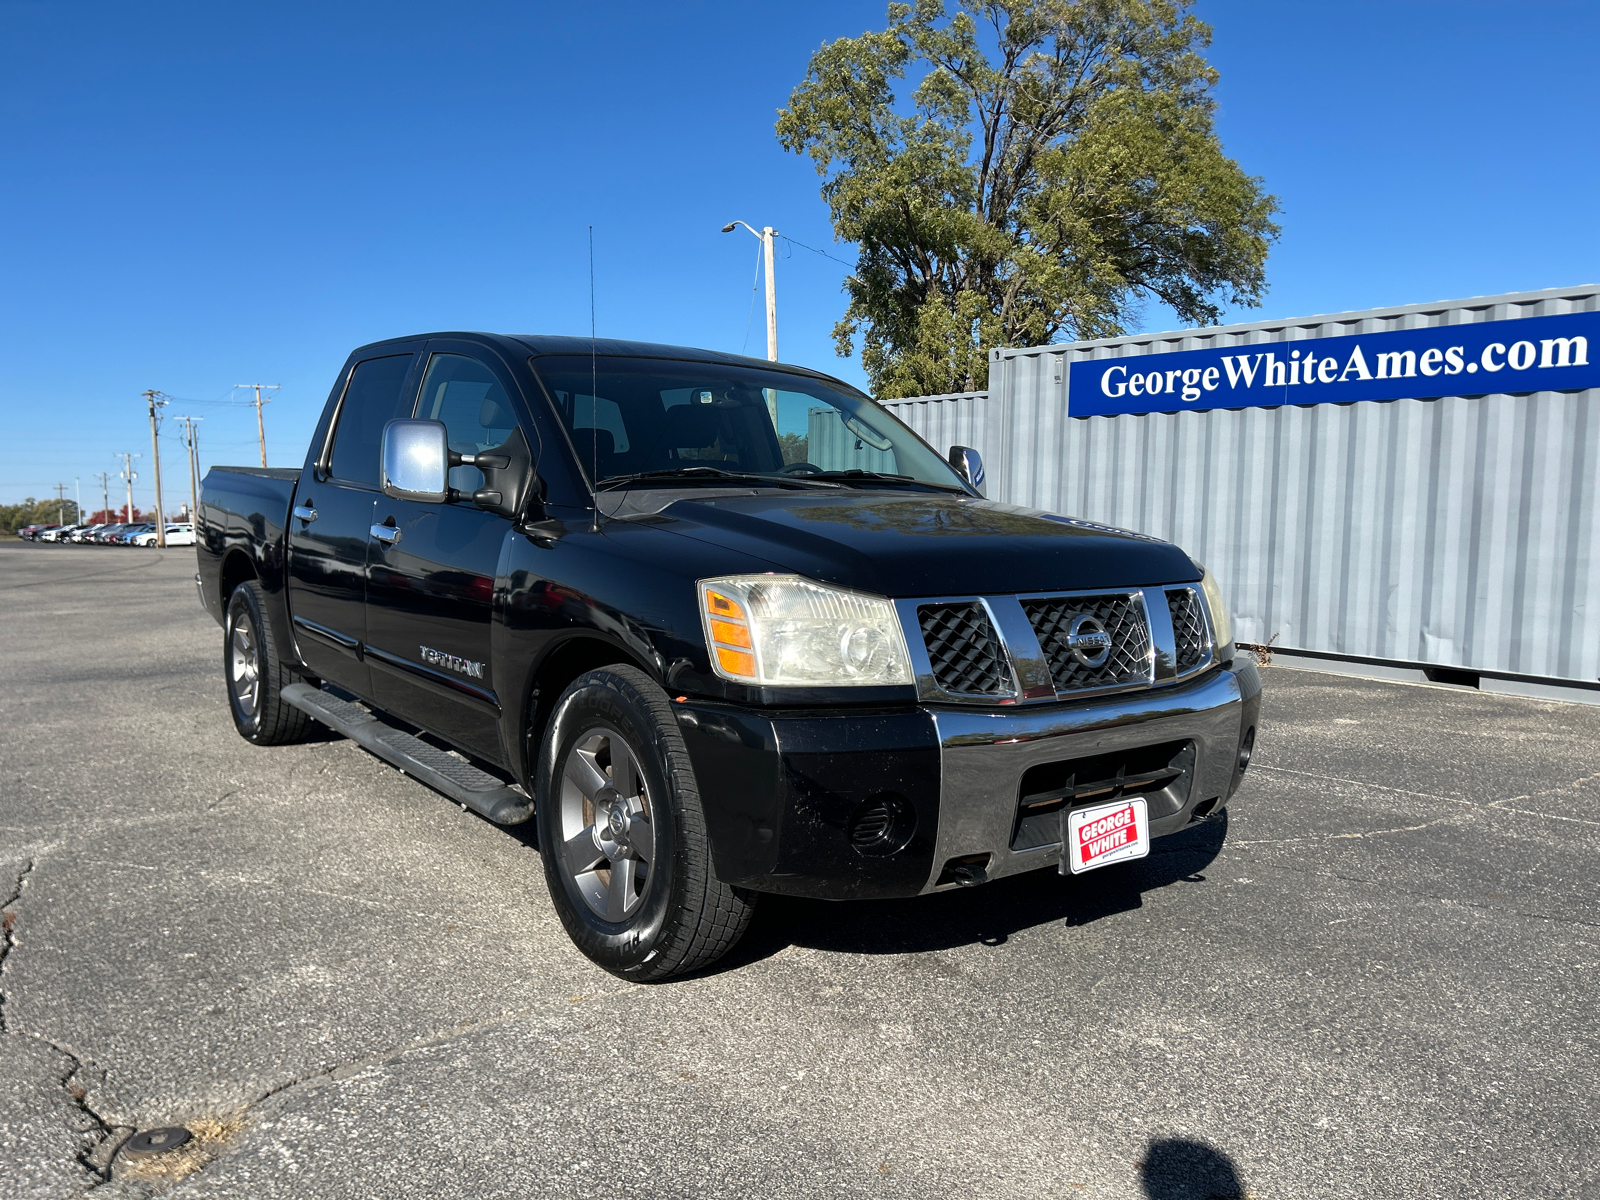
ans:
(130, 475)
(61, 504)
(105, 493)
(157, 400)
(767, 236)
(261, 429)
(192, 443)
(77, 488)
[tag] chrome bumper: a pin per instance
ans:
(983, 754)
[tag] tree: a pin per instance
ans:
(1056, 165)
(36, 512)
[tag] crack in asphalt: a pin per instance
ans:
(96, 1157)
(109, 1135)
(1476, 806)
(1334, 837)
(353, 1066)
(1362, 783)
(1501, 805)
(8, 942)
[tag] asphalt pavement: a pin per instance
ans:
(1376, 977)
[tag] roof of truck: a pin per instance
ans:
(546, 343)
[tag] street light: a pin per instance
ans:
(766, 235)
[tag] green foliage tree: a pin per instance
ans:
(35, 512)
(1057, 163)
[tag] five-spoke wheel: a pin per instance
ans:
(622, 831)
(256, 673)
(607, 839)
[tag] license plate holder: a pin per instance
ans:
(1103, 834)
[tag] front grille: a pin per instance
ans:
(1188, 629)
(1120, 615)
(963, 650)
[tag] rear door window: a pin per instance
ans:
(372, 399)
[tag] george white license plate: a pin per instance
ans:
(1106, 834)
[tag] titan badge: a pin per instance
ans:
(462, 666)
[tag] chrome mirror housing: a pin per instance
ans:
(969, 463)
(416, 461)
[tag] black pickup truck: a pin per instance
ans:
(721, 627)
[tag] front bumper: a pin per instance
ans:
(780, 790)
(984, 755)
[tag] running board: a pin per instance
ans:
(461, 781)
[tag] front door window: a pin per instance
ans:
(465, 395)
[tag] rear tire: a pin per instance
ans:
(256, 674)
(623, 835)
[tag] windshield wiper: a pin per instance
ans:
(703, 474)
(857, 475)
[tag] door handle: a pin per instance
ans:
(387, 534)
(305, 512)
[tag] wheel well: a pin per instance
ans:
(236, 569)
(560, 667)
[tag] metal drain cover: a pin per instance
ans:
(155, 1141)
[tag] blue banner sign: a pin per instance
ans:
(1532, 354)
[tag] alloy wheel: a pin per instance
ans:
(607, 839)
(244, 668)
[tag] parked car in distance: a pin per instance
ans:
(125, 535)
(177, 535)
(85, 533)
(35, 532)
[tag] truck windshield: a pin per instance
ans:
(651, 422)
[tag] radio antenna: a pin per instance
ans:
(594, 396)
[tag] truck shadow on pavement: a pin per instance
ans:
(989, 914)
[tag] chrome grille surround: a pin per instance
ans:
(1035, 664)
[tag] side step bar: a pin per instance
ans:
(461, 781)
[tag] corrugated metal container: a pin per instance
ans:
(1458, 532)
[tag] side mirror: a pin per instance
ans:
(969, 464)
(416, 461)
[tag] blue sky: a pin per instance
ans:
(202, 195)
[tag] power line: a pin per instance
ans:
(814, 250)
(750, 320)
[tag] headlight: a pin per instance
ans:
(1221, 622)
(785, 631)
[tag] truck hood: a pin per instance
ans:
(914, 544)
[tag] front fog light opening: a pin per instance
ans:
(881, 825)
(1246, 748)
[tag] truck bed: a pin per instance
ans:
(243, 510)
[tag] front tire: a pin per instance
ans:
(623, 836)
(256, 674)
